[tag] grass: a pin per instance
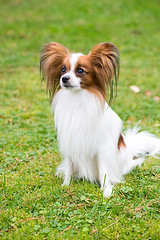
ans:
(33, 203)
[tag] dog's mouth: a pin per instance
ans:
(67, 85)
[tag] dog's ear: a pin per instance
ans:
(105, 61)
(51, 62)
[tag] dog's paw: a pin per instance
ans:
(107, 192)
(65, 183)
(59, 173)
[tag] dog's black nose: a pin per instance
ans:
(65, 79)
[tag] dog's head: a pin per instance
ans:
(95, 72)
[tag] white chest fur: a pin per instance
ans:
(77, 120)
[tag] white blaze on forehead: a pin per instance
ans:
(73, 60)
(73, 81)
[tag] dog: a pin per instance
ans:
(89, 132)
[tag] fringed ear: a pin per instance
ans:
(105, 61)
(51, 62)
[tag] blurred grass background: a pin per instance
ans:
(33, 204)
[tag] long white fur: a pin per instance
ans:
(88, 136)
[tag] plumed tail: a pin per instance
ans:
(139, 144)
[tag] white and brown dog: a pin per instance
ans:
(89, 131)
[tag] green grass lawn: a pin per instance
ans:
(33, 205)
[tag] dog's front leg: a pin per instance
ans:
(104, 177)
(67, 171)
(106, 185)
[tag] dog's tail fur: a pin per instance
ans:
(139, 144)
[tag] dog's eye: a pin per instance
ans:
(63, 70)
(80, 71)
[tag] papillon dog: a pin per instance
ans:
(89, 131)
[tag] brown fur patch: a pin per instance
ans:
(121, 143)
(51, 62)
(88, 79)
(66, 63)
(100, 67)
(104, 58)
